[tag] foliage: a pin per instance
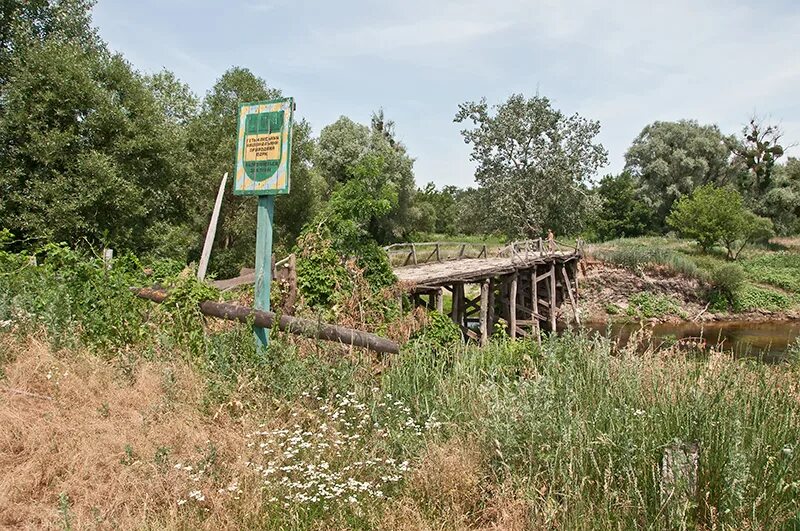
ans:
(340, 233)
(758, 151)
(781, 201)
(671, 159)
(781, 269)
(726, 280)
(345, 148)
(752, 298)
(439, 334)
(86, 152)
(646, 305)
(534, 162)
(622, 213)
(714, 215)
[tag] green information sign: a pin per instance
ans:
(264, 147)
(263, 159)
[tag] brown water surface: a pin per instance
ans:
(768, 340)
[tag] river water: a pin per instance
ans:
(768, 340)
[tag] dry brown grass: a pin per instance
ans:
(449, 490)
(76, 443)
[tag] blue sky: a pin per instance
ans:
(624, 63)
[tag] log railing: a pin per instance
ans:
(415, 253)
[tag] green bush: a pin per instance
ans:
(726, 280)
(439, 333)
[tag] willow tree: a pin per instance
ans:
(534, 164)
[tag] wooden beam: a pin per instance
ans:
(553, 296)
(490, 306)
(439, 295)
(571, 297)
(484, 323)
(212, 231)
(535, 303)
(512, 306)
(286, 323)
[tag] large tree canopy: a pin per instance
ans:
(86, 151)
(345, 145)
(534, 163)
(671, 159)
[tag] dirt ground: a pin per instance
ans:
(604, 284)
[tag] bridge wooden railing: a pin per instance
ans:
(415, 253)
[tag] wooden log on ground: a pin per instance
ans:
(285, 323)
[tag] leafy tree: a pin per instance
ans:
(27, 23)
(341, 233)
(437, 210)
(782, 199)
(713, 215)
(622, 213)
(345, 145)
(86, 151)
(758, 150)
(671, 159)
(176, 100)
(534, 163)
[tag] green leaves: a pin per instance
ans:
(714, 215)
(534, 162)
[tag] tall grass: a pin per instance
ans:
(650, 257)
(568, 435)
(583, 430)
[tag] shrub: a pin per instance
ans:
(752, 298)
(713, 215)
(726, 280)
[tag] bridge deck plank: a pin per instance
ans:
(474, 269)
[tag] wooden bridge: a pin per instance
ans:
(524, 283)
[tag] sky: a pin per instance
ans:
(623, 63)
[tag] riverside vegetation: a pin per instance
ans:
(119, 413)
(764, 280)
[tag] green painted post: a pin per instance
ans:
(266, 209)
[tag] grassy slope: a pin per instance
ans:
(772, 274)
(152, 420)
(508, 437)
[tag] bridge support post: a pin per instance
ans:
(553, 296)
(458, 303)
(512, 307)
(484, 315)
(536, 329)
(491, 316)
(438, 297)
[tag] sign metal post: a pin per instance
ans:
(263, 163)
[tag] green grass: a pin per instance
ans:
(573, 431)
(647, 305)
